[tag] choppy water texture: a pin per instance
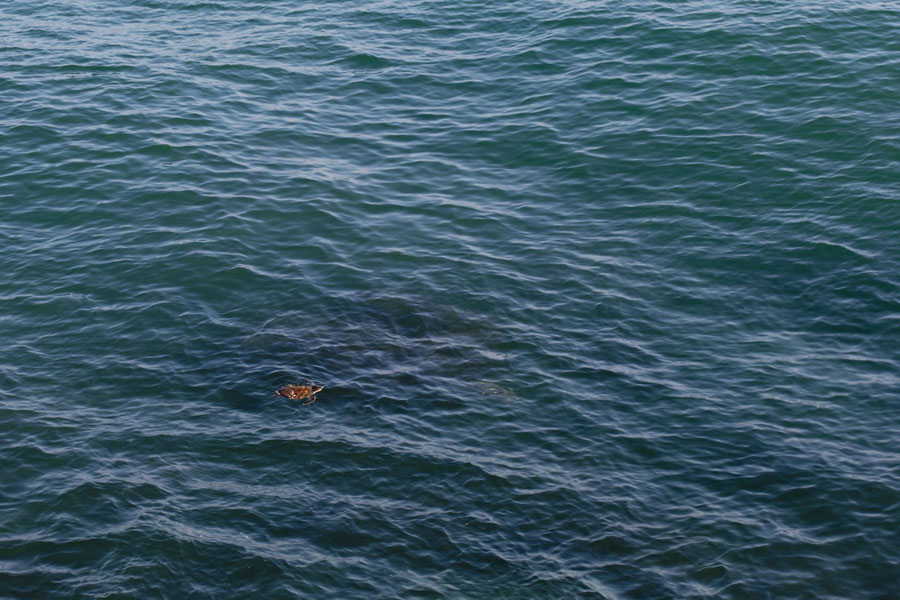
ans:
(605, 297)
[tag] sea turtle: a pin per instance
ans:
(299, 392)
(492, 389)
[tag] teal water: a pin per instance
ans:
(605, 297)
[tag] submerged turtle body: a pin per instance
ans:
(492, 389)
(299, 392)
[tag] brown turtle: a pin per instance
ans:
(299, 392)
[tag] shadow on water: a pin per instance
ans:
(375, 344)
(400, 349)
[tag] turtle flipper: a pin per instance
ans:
(310, 401)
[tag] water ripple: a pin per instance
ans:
(604, 299)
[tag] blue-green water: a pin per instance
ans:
(605, 297)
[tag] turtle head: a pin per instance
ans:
(315, 389)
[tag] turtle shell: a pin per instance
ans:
(299, 392)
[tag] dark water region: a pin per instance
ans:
(605, 297)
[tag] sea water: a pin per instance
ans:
(605, 297)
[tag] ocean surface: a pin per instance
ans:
(605, 297)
